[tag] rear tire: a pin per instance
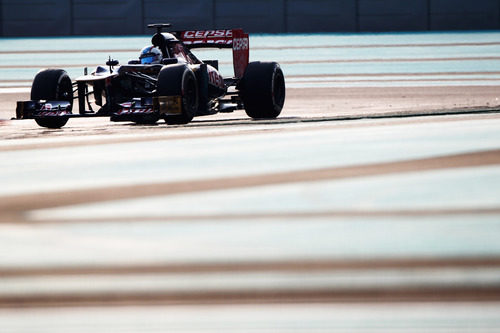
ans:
(262, 90)
(179, 80)
(52, 85)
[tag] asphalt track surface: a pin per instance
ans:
(372, 204)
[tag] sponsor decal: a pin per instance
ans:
(241, 49)
(46, 106)
(209, 41)
(219, 37)
(134, 111)
(213, 34)
(48, 109)
(52, 113)
(215, 79)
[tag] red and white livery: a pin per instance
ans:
(167, 81)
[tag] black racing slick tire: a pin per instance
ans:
(52, 85)
(262, 89)
(179, 80)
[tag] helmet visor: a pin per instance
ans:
(148, 59)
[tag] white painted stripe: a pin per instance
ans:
(234, 281)
(347, 84)
(15, 90)
(400, 317)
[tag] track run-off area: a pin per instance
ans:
(371, 204)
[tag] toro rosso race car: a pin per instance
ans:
(167, 81)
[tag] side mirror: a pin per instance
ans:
(112, 62)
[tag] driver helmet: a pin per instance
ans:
(150, 55)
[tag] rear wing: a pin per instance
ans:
(235, 39)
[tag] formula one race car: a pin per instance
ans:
(167, 81)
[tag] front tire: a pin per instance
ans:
(52, 85)
(55, 123)
(262, 90)
(179, 80)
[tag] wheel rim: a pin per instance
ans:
(65, 89)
